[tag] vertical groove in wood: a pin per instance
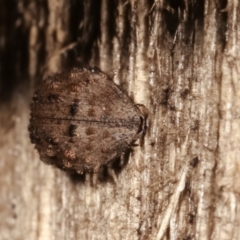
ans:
(227, 214)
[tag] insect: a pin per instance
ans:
(81, 120)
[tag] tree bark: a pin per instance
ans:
(178, 58)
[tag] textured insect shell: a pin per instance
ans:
(81, 120)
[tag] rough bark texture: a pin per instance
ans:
(181, 60)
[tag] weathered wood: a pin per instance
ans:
(181, 60)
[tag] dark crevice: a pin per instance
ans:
(86, 28)
(14, 53)
(222, 19)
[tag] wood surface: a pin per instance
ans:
(178, 58)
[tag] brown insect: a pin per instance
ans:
(81, 120)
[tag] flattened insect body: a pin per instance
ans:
(81, 120)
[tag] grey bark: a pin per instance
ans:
(181, 60)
